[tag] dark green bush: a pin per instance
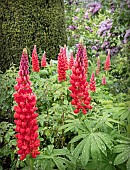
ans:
(25, 23)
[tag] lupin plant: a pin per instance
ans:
(25, 112)
(85, 60)
(79, 86)
(107, 62)
(35, 62)
(104, 80)
(71, 61)
(61, 66)
(92, 84)
(43, 61)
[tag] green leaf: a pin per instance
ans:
(101, 145)
(106, 139)
(59, 163)
(122, 157)
(77, 138)
(128, 164)
(79, 148)
(60, 152)
(85, 152)
(95, 152)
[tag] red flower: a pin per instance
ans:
(25, 115)
(98, 66)
(78, 88)
(104, 80)
(108, 62)
(85, 60)
(35, 62)
(61, 66)
(71, 62)
(92, 84)
(43, 61)
(65, 58)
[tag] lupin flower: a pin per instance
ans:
(104, 80)
(25, 112)
(98, 66)
(71, 61)
(61, 66)
(65, 57)
(107, 62)
(85, 59)
(43, 61)
(79, 90)
(35, 62)
(92, 84)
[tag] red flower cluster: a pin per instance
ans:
(71, 62)
(25, 116)
(81, 98)
(98, 66)
(61, 66)
(108, 62)
(104, 80)
(85, 60)
(43, 61)
(92, 84)
(65, 57)
(35, 62)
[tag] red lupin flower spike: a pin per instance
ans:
(104, 80)
(107, 62)
(25, 112)
(92, 84)
(85, 60)
(43, 61)
(35, 62)
(78, 88)
(98, 66)
(61, 66)
(71, 61)
(65, 58)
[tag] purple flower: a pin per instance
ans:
(75, 18)
(95, 7)
(104, 27)
(94, 48)
(127, 35)
(86, 15)
(88, 28)
(72, 27)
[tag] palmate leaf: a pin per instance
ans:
(124, 152)
(122, 157)
(77, 138)
(95, 151)
(79, 148)
(59, 162)
(85, 152)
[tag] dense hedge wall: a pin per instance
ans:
(25, 23)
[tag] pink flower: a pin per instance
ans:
(92, 84)
(85, 60)
(79, 90)
(61, 66)
(65, 58)
(25, 112)
(104, 80)
(107, 62)
(35, 62)
(43, 61)
(71, 62)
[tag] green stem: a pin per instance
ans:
(62, 141)
(30, 163)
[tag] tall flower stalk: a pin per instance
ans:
(85, 60)
(43, 61)
(61, 66)
(25, 112)
(71, 61)
(79, 85)
(92, 84)
(35, 62)
(107, 62)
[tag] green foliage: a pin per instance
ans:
(26, 23)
